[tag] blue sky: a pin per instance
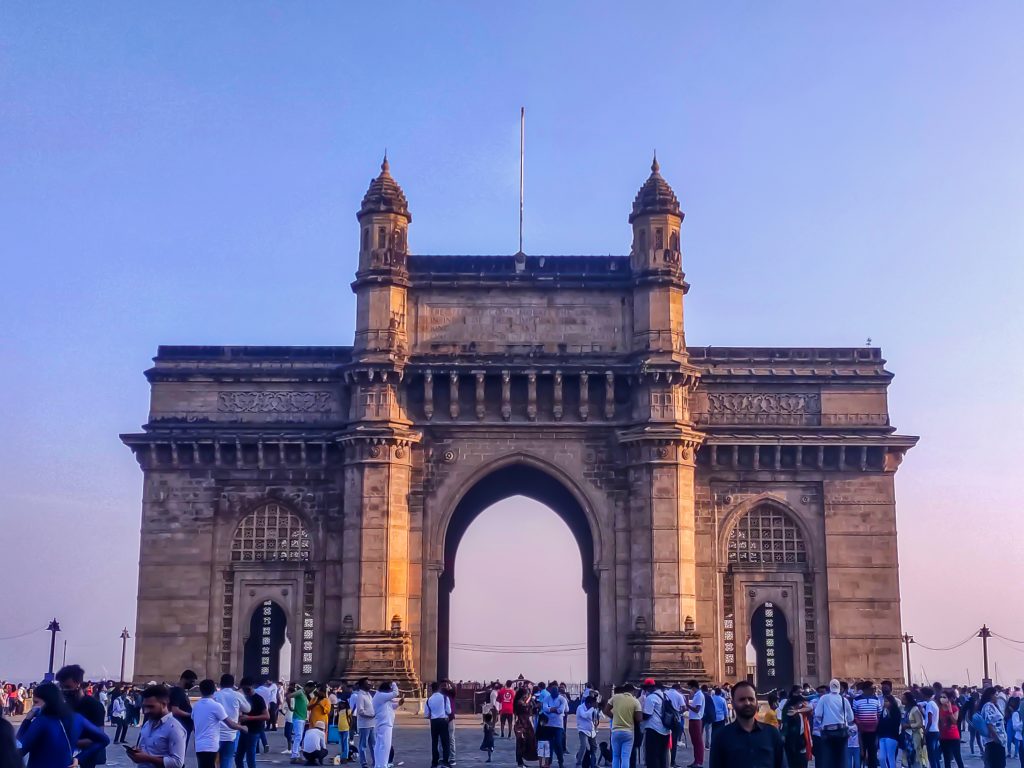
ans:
(188, 173)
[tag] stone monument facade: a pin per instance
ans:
(302, 506)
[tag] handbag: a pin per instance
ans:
(835, 730)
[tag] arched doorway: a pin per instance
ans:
(265, 642)
(518, 606)
(769, 598)
(769, 635)
(519, 480)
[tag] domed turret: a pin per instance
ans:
(384, 195)
(655, 196)
(656, 219)
(384, 223)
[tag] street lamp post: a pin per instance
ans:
(124, 645)
(907, 640)
(53, 629)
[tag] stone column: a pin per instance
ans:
(376, 642)
(664, 641)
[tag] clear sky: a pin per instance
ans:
(188, 173)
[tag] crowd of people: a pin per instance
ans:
(840, 725)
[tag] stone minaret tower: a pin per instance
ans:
(382, 278)
(375, 641)
(661, 446)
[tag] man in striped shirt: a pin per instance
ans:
(866, 711)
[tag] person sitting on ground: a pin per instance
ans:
(314, 744)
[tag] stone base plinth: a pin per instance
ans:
(379, 656)
(668, 657)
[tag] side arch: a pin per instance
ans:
(519, 475)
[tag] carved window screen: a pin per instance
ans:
(765, 535)
(270, 534)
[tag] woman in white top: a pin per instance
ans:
(385, 701)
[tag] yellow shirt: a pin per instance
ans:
(768, 717)
(624, 705)
(319, 710)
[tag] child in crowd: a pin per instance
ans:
(343, 728)
(853, 748)
(487, 745)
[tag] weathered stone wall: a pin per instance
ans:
(863, 575)
(494, 321)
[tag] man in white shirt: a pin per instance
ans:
(675, 695)
(207, 717)
(437, 711)
(695, 722)
(930, 710)
(385, 701)
(366, 722)
(235, 704)
(587, 718)
(834, 714)
(314, 744)
(270, 691)
(655, 732)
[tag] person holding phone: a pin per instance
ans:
(51, 732)
(162, 738)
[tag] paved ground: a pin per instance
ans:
(412, 747)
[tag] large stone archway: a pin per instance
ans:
(521, 477)
(474, 377)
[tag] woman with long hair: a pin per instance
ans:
(973, 734)
(51, 732)
(995, 736)
(796, 731)
(889, 726)
(526, 736)
(949, 731)
(913, 732)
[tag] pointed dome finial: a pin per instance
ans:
(655, 196)
(384, 195)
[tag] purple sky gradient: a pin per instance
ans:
(181, 172)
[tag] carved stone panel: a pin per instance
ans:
(784, 408)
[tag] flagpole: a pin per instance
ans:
(522, 137)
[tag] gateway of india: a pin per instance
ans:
(302, 506)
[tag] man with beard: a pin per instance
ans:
(162, 738)
(70, 679)
(746, 743)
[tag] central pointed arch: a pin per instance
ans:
(521, 477)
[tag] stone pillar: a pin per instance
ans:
(664, 642)
(375, 643)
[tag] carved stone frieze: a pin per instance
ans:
(271, 401)
(793, 408)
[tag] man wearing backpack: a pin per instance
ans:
(657, 710)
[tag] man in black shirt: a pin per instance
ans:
(746, 743)
(255, 721)
(70, 679)
(181, 706)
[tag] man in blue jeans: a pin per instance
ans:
(930, 710)
(623, 708)
(555, 706)
(366, 721)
